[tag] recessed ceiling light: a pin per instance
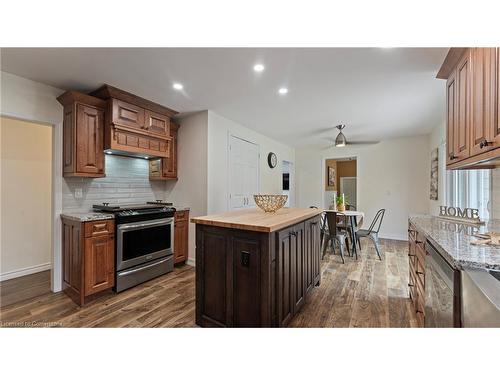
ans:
(283, 91)
(177, 86)
(258, 67)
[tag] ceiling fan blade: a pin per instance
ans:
(363, 142)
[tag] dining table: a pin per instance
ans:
(352, 217)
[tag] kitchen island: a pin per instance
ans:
(255, 269)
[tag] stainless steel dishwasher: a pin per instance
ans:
(480, 298)
(442, 291)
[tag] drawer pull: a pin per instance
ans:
(419, 273)
(411, 284)
(417, 241)
(411, 255)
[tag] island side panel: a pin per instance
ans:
(233, 278)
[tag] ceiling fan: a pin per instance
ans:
(341, 140)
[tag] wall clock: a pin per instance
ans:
(272, 159)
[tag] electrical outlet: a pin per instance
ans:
(79, 193)
(245, 259)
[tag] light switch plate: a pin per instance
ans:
(78, 193)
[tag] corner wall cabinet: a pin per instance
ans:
(83, 131)
(88, 258)
(472, 107)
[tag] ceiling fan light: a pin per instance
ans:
(340, 141)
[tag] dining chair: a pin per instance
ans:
(350, 224)
(334, 234)
(371, 232)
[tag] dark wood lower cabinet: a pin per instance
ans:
(255, 279)
(88, 258)
(181, 237)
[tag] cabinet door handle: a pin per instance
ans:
(485, 143)
(411, 255)
(417, 241)
(410, 284)
(453, 157)
(419, 273)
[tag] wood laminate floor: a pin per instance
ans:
(362, 293)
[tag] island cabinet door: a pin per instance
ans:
(312, 252)
(300, 267)
(285, 274)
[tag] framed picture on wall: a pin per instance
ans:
(331, 176)
(434, 174)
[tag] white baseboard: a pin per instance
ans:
(397, 237)
(25, 271)
(191, 262)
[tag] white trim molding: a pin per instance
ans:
(191, 262)
(25, 271)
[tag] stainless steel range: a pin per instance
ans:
(144, 242)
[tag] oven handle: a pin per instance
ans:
(142, 268)
(148, 224)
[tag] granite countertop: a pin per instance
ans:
(87, 216)
(453, 241)
(256, 220)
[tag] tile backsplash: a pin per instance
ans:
(126, 181)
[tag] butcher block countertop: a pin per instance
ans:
(256, 220)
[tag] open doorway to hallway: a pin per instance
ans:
(341, 178)
(26, 209)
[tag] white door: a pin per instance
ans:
(348, 188)
(243, 173)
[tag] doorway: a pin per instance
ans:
(26, 200)
(340, 178)
(243, 172)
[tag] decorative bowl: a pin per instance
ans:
(270, 202)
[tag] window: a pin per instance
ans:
(469, 189)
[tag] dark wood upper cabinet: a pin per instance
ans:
(473, 129)
(451, 117)
(83, 132)
(134, 125)
(461, 129)
(166, 168)
(496, 127)
(126, 114)
(157, 123)
(483, 134)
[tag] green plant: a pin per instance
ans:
(340, 200)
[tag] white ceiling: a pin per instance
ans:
(378, 93)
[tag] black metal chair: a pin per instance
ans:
(371, 232)
(346, 225)
(334, 234)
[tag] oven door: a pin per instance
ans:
(143, 241)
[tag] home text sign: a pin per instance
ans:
(462, 214)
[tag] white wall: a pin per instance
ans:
(219, 129)
(26, 196)
(24, 99)
(191, 188)
(393, 174)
